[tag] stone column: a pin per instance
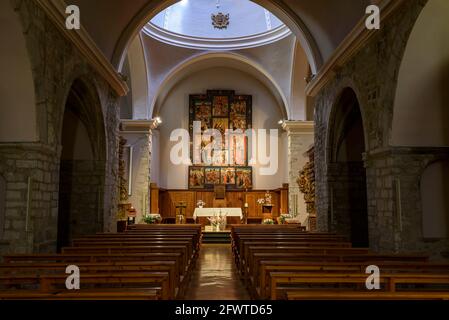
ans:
(300, 136)
(139, 133)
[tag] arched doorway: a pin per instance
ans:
(82, 166)
(347, 174)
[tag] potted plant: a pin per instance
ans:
(152, 219)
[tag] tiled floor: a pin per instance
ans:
(215, 276)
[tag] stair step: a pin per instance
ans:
(217, 237)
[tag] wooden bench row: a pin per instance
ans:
(147, 262)
(279, 263)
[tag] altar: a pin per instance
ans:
(211, 212)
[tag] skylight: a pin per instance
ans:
(216, 24)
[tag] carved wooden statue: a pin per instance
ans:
(306, 182)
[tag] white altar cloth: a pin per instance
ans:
(210, 212)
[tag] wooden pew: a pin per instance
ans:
(146, 262)
(360, 295)
(91, 268)
(268, 259)
(390, 281)
(262, 283)
(158, 281)
(119, 259)
(132, 249)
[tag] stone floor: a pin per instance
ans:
(215, 276)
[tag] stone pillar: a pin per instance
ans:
(139, 134)
(300, 136)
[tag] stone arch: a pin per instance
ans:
(17, 94)
(301, 72)
(283, 12)
(208, 60)
(420, 115)
(347, 86)
(434, 188)
(346, 173)
(82, 164)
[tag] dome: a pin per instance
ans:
(189, 23)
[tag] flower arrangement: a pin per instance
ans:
(268, 197)
(200, 203)
(268, 221)
(266, 200)
(218, 221)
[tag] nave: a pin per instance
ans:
(215, 276)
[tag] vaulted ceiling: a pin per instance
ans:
(113, 23)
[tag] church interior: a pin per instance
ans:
(224, 150)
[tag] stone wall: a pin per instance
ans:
(372, 74)
(56, 63)
(30, 171)
(395, 176)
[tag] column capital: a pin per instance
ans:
(138, 126)
(299, 127)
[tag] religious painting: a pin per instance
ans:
(238, 123)
(238, 108)
(220, 158)
(228, 176)
(203, 112)
(238, 150)
(196, 177)
(244, 178)
(212, 175)
(200, 109)
(220, 106)
(221, 124)
(220, 110)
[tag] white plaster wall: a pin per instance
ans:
(421, 112)
(276, 59)
(298, 104)
(17, 100)
(174, 113)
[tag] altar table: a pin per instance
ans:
(210, 212)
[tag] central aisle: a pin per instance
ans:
(215, 276)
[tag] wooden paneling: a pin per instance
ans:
(284, 199)
(154, 198)
(234, 199)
